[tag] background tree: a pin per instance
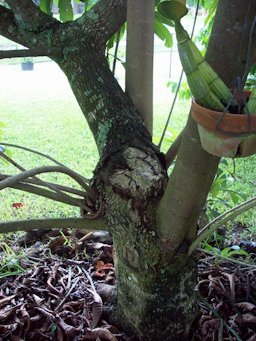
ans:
(153, 219)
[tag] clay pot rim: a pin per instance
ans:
(230, 123)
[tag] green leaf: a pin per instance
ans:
(2, 125)
(163, 33)
(217, 186)
(157, 2)
(45, 6)
(172, 10)
(228, 253)
(160, 18)
(235, 197)
(66, 10)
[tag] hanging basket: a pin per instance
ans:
(225, 135)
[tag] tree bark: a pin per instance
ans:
(227, 51)
(132, 179)
(139, 57)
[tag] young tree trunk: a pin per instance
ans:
(139, 57)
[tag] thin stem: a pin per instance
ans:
(32, 172)
(14, 163)
(41, 154)
(40, 170)
(48, 194)
(116, 51)
(64, 196)
(220, 220)
(31, 224)
(171, 110)
(61, 187)
(173, 150)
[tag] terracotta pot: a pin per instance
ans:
(229, 135)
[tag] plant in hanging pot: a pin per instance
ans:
(226, 120)
(228, 134)
(27, 64)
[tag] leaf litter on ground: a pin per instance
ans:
(67, 292)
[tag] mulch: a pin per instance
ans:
(68, 289)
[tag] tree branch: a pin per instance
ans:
(8, 27)
(38, 153)
(61, 187)
(29, 17)
(221, 220)
(104, 19)
(173, 150)
(48, 194)
(74, 223)
(34, 52)
(9, 182)
(47, 169)
(64, 196)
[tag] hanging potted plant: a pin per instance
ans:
(228, 134)
(226, 120)
(27, 64)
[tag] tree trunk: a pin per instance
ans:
(132, 179)
(139, 57)
(156, 280)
